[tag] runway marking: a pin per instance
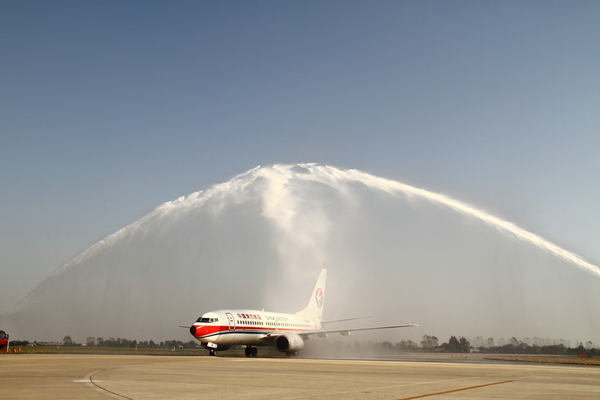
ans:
(452, 391)
(424, 383)
(93, 384)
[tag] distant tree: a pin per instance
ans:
(90, 341)
(429, 342)
(192, 344)
(17, 343)
(171, 344)
(406, 345)
(453, 345)
(67, 341)
(100, 342)
(465, 346)
(489, 343)
(477, 342)
(387, 346)
(514, 342)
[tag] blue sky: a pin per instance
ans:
(109, 109)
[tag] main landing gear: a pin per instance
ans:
(251, 351)
(212, 352)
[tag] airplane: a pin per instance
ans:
(219, 330)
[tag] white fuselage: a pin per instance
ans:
(249, 327)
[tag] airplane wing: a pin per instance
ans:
(340, 320)
(346, 332)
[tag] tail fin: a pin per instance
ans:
(317, 300)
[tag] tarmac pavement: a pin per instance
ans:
(62, 376)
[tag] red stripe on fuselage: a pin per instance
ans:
(205, 330)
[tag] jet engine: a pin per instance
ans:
(289, 343)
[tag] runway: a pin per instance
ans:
(54, 376)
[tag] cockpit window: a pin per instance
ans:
(2, 335)
(207, 320)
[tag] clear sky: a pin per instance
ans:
(111, 108)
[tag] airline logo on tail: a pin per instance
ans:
(319, 297)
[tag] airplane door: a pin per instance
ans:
(231, 321)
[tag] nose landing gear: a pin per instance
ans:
(212, 352)
(251, 351)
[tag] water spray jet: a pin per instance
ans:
(266, 225)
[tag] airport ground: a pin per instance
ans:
(96, 376)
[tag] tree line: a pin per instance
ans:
(427, 344)
(514, 346)
(118, 342)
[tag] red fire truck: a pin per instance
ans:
(3, 340)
